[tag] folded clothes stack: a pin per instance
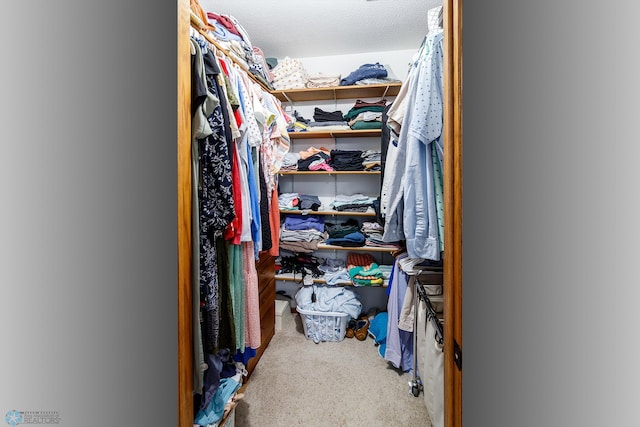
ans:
(301, 233)
(341, 229)
(373, 236)
(328, 126)
(371, 227)
(355, 239)
(370, 74)
(323, 80)
(326, 121)
(314, 159)
(352, 203)
(319, 115)
(296, 202)
(346, 160)
(366, 115)
(346, 234)
(365, 71)
(371, 160)
(288, 201)
(318, 161)
(363, 270)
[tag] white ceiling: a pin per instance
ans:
(311, 28)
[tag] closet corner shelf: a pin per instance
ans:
(289, 277)
(323, 172)
(329, 213)
(338, 92)
(336, 134)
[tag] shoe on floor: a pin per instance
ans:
(351, 329)
(362, 329)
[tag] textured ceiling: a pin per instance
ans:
(329, 27)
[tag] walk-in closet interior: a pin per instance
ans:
(319, 204)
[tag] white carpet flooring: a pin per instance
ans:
(346, 383)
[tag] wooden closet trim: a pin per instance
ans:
(185, 347)
(452, 25)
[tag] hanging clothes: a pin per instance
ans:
(412, 197)
(215, 206)
(202, 105)
(239, 139)
(399, 349)
(252, 299)
(425, 125)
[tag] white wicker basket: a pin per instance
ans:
(323, 326)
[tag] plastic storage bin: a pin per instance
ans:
(283, 313)
(323, 326)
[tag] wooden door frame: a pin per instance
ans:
(185, 337)
(452, 22)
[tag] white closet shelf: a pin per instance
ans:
(336, 134)
(322, 246)
(323, 172)
(338, 92)
(329, 213)
(289, 277)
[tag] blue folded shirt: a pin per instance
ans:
(353, 239)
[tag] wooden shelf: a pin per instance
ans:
(289, 277)
(322, 246)
(338, 92)
(322, 172)
(331, 213)
(336, 134)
